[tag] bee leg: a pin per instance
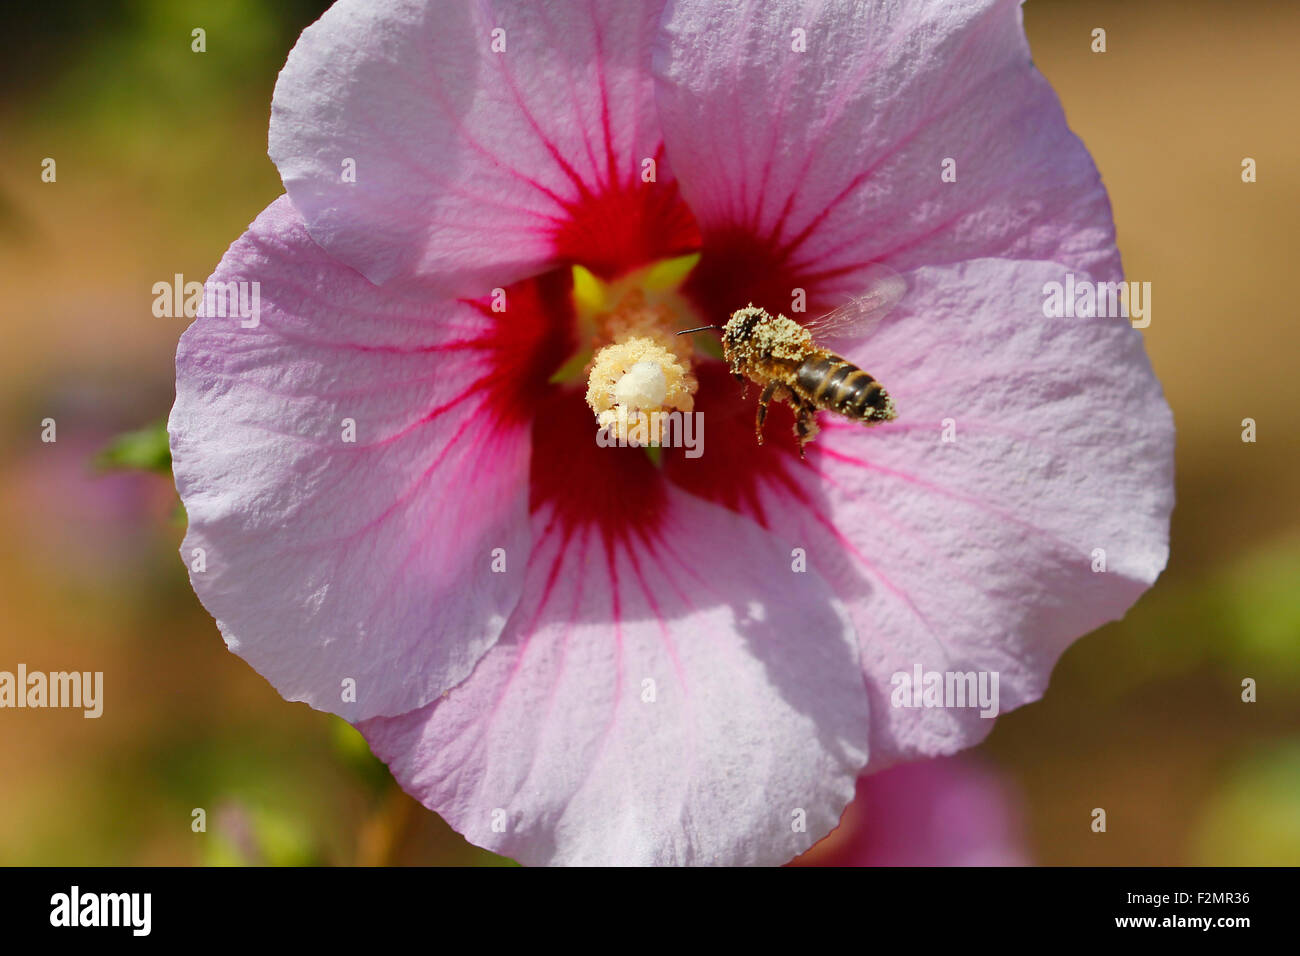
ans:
(744, 391)
(762, 410)
(805, 425)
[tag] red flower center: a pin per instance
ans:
(621, 490)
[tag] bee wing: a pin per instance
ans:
(861, 315)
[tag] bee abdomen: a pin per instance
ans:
(838, 385)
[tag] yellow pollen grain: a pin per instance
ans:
(634, 317)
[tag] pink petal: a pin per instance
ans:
(328, 560)
(803, 167)
(476, 168)
(945, 812)
(975, 555)
(757, 721)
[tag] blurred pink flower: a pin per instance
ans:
(97, 527)
(643, 678)
(944, 812)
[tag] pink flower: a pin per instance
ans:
(577, 654)
(944, 812)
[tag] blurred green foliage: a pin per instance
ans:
(127, 47)
(1254, 819)
(146, 449)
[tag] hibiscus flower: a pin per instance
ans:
(398, 508)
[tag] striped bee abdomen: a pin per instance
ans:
(838, 385)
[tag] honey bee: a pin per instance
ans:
(780, 355)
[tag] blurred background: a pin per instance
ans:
(161, 164)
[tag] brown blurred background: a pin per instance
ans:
(161, 163)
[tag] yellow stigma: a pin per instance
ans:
(640, 366)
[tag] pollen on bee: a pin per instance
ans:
(753, 332)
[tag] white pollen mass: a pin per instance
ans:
(644, 386)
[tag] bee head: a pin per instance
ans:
(740, 327)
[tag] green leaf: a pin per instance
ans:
(146, 449)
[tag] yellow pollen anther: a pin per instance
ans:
(640, 366)
(635, 377)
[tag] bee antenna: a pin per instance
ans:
(702, 328)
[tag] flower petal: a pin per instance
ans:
(324, 559)
(476, 168)
(686, 698)
(809, 165)
(976, 554)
